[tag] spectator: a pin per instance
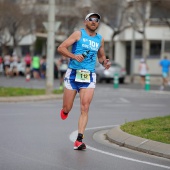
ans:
(62, 65)
(143, 70)
(14, 65)
(7, 61)
(43, 67)
(1, 65)
(36, 66)
(165, 64)
(27, 60)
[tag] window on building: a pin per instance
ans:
(155, 49)
(43, 1)
(65, 2)
(58, 2)
(160, 9)
(167, 46)
(13, 1)
(138, 49)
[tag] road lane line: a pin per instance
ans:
(124, 100)
(73, 136)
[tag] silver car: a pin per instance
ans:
(108, 75)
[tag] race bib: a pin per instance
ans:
(82, 76)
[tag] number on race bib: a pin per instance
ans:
(82, 76)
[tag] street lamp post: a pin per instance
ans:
(50, 48)
(133, 44)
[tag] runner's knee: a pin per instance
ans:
(85, 107)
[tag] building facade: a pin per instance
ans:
(153, 44)
(156, 38)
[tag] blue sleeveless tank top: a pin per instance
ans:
(86, 43)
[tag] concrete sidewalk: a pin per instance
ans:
(116, 135)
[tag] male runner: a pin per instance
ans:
(80, 77)
(165, 64)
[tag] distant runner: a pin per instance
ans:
(63, 65)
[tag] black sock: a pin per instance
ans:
(80, 137)
(65, 113)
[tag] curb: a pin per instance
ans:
(116, 135)
(31, 98)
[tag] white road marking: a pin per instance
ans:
(73, 136)
(124, 100)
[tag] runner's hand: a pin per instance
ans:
(79, 58)
(106, 64)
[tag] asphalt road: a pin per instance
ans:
(33, 137)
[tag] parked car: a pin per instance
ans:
(108, 75)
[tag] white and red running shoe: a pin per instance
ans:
(79, 145)
(63, 115)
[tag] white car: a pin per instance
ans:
(108, 75)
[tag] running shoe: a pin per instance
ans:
(79, 145)
(63, 115)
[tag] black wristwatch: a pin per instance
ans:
(103, 62)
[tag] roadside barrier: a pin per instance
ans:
(147, 82)
(116, 81)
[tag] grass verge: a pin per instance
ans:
(12, 91)
(157, 129)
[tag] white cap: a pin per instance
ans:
(142, 60)
(90, 14)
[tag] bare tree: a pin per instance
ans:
(114, 14)
(141, 16)
(146, 11)
(16, 24)
(69, 14)
(117, 14)
(4, 36)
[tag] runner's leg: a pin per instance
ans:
(86, 96)
(68, 99)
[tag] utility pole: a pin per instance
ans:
(50, 48)
(133, 43)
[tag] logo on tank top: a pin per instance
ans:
(91, 44)
(85, 39)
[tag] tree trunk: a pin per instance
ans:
(144, 45)
(16, 49)
(4, 50)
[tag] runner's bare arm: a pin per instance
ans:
(63, 48)
(102, 58)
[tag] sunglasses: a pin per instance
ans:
(93, 19)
